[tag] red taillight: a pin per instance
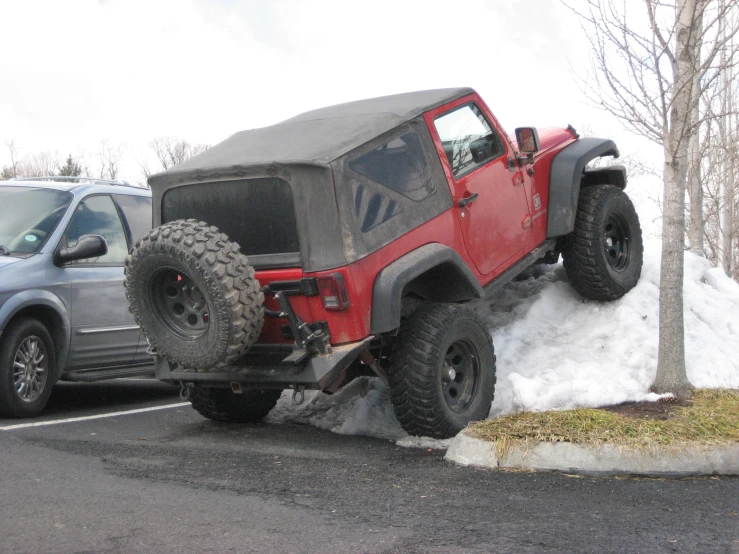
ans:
(332, 289)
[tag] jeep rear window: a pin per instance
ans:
(398, 165)
(259, 214)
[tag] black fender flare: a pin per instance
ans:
(453, 281)
(568, 173)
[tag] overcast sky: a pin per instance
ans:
(78, 71)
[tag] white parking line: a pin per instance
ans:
(99, 416)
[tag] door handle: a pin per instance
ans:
(463, 202)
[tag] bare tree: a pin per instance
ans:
(41, 164)
(719, 166)
(169, 152)
(12, 171)
(145, 168)
(650, 71)
(109, 158)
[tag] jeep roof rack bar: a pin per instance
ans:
(64, 178)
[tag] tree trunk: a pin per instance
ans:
(671, 373)
(726, 184)
(695, 192)
(695, 184)
(727, 219)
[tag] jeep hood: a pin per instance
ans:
(552, 136)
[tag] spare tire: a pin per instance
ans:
(194, 294)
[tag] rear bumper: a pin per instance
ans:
(318, 372)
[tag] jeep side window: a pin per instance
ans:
(97, 215)
(398, 165)
(469, 140)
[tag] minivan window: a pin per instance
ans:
(97, 215)
(28, 217)
(137, 211)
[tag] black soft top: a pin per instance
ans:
(316, 137)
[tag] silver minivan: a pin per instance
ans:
(63, 310)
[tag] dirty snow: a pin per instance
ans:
(558, 351)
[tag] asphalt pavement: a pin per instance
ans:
(125, 467)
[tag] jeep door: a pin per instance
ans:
(104, 333)
(488, 190)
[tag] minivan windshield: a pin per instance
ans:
(28, 216)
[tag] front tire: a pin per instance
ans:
(442, 370)
(27, 368)
(603, 255)
(220, 404)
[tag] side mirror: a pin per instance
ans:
(528, 140)
(88, 246)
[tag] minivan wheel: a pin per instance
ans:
(194, 294)
(442, 370)
(27, 368)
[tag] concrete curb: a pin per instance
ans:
(603, 460)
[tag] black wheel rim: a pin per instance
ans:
(30, 369)
(460, 375)
(617, 242)
(179, 304)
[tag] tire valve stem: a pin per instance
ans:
(299, 395)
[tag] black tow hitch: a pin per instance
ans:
(308, 339)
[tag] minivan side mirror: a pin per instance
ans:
(528, 140)
(88, 246)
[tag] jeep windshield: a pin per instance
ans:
(28, 216)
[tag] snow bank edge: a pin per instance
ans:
(604, 460)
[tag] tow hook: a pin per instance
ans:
(186, 390)
(299, 395)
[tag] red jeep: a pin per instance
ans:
(367, 227)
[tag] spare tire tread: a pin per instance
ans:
(242, 299)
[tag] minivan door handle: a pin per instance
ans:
(464, 202)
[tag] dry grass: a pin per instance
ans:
(712, 419)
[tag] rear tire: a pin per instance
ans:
(603, 255)
(442, 370)
(221, 404)
(194, 294)
(27, 368)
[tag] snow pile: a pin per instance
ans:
(558, 351)
(360, 408)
